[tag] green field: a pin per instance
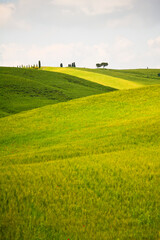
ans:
(24, 89)
(83, 169)
(102, 79)
(119, 79)
(140, 76)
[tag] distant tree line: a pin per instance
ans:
(103, 64)
(72, 65)
(69, 65)
(34, 66)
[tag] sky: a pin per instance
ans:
(124, 33)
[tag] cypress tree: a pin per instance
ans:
(39, 64)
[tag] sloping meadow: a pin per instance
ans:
(84, 169)
(141, 77)
(25, 89)
(119, 79)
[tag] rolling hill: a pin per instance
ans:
(24, 89)
(119, 79)
(140, 76)
(83, 169)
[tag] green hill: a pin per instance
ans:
(24, 89)
(83, 169)
(119, 79)
(140, 76)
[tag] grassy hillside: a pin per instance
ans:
(97, 77)
(140, 76)
(24, 89)
(84, 169)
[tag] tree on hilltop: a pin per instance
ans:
(73, 64)
(103, 64)
(98, 65)
(39, 64)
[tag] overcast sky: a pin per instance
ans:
(124, 33)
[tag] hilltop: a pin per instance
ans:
(24, 89)
(119, 79)
(139, 76)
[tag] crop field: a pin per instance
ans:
(82, 168)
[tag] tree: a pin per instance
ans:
(39, 64)
(61, 65)
(98, 65)
(104, 64)
(73, 64)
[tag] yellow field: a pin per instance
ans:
(105, 80)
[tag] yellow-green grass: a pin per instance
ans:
(85, 169)
(108, 196)
(24, 89)
(83, 126)
(140, 76)
(103, 79)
